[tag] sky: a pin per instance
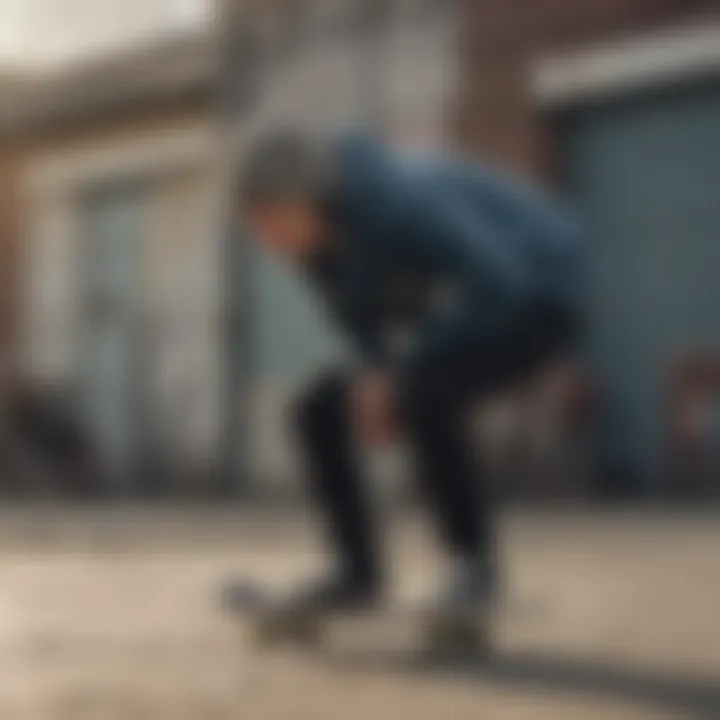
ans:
(47, 33)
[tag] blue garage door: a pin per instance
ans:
(646, 173)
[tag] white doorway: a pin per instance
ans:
(114, 218)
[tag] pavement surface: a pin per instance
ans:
(114, 614)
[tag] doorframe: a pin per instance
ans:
(58, 180)
(603, 70)
(55, 178)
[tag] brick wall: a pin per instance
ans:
(497, 116)
(9, 231)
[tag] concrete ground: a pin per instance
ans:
(113, 614)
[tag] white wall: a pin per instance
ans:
(181, 303)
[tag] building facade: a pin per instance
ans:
(112, 199)
(112, 229)
(114, 210)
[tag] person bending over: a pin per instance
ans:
(453, 283)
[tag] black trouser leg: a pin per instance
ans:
(324, 430)
(436, 401)
(439, 431)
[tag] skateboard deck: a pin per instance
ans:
(274, 625)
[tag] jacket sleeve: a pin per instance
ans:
(368, 339)
(362, 318)
(348, 299)
(486, 280)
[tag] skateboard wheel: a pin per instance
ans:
(273, 631)
(457, 638)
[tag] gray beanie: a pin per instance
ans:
(286, 163)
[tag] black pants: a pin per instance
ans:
(435, 403)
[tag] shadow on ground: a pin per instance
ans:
(694, 698)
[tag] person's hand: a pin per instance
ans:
(373, 407)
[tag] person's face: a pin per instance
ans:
(292, 229)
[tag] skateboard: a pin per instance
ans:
(273, 625)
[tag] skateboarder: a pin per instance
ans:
(452, 283)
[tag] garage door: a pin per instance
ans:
(646, 174)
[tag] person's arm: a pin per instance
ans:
(364, 328)
(487, 281)
(371, 396)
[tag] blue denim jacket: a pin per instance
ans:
(478, 247)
